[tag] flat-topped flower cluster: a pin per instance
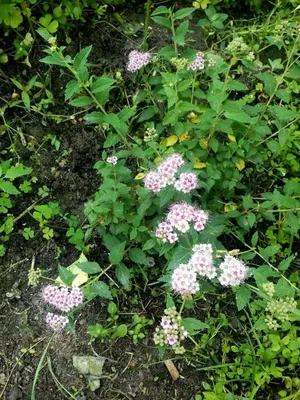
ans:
(63, 299)
(167, 174)
(232, 271)
(182, 217)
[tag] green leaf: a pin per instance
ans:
(283, 289)
(90, 267)
(183, 13)
(181, 256)
(269, 251)
(180, 33)
(66, 275)
(193, 325)
(162, 21)
(160, 10)
(26, 100)
(81, 58)
(117, 253)
(95, 117)
(55, 59)
(283, 113)
(169, 301)
(72, 87)
(284, 264)
(138, 256)
(99, 288)
(110, 241)
(111, 140)
(149, 244)
(102, 84)
(81, 101)
(17, 171)
(269, 81)
(242, 297)
(254, 239)
(8, 187)
(123, 275)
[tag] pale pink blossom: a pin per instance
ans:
(234, 271)
(184, 280)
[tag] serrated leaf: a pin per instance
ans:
(193, 325)
(81, 101)
(66, 275)
(138, 256)
(8, 187)
(284, 264)
(89, 267)
(240, 165)
(55, 59)
(95, 117)
(117, 253)
(242, 296)
(72, 87)
(95, 289)
(183, 13)
(81, 58)
(123, 275)
(16, 171)
(269, 251)
(162, 21)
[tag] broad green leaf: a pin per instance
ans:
(180, 33)
(66, 275)
(89, 267)
(17, 171)
(55, 59)
(242, 296)
(123, 275)
(117, 253)
(81, 101)
(269, 81)
(72, 87)
(95, 289)
(160, 10)
(162, 21)
(193, 325)
(95, 117)
(183, 13)
(8, 187)
(138, 256)
(284, 264)
(81, 58)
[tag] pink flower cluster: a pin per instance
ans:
(198, 63)
(234, 271)
(186, 182)
(202, 261)
(56, 322)
(166, 176)
(165, 233)
(171, 331)
(184, 280)
(137, 60)
(112, 160)
(64, 299)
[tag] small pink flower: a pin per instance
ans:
(165, 323)
(172, 340)
(137, 60)
(198, 63)
(184, 280)
(112, 160)
(153, 182)
(234, 271)
(187, 182)
(56, 322)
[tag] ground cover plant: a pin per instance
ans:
(157, 210)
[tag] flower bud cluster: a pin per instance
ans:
(179, 63)
(269, 288)
(137, 60)
(112, 160)
(171, 331)
(63, 299)
(166, 175)
(150, 135)
(34, 276)
(281, 308)
(234, 271)
(198, 63)
(237, 45)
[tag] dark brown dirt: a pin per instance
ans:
(132, 371)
